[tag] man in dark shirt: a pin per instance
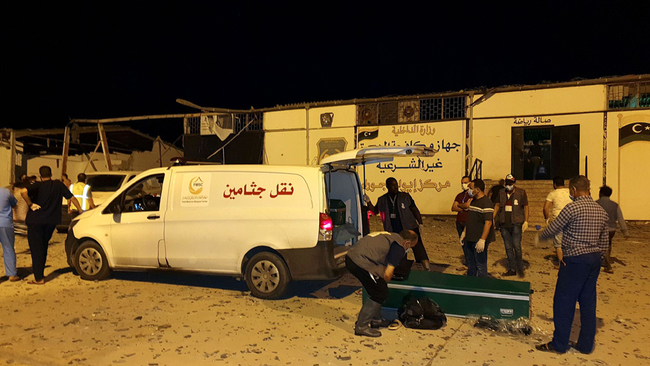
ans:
(585, 241)
(44, 201)
(373, 260)
(511, 218)
(496, 189)
(461, 204)
(478, 231)
(398, 212)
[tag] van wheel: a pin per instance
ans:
(267, 276)
(90, 261)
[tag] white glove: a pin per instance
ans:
(524, 227)
(35, 207)
(480, 246)
(462, 238)
(366, 199)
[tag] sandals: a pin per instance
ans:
(396, 324)
(545, 347)
(14, 278)
(32, 282)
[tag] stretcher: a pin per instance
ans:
(462, 296)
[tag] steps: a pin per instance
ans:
(536, 190)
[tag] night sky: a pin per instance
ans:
(103, 59)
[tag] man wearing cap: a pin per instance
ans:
(511, 217)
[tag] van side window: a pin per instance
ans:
(144, 195)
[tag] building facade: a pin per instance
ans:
(599, 128)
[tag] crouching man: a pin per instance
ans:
(372, 260)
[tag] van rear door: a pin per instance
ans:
(343, 183)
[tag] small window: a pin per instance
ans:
(105, 182)
(144, 195)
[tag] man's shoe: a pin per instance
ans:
(520, 273)
(367, 331)
(509, 273)
(380, 323)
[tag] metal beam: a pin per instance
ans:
(104, 141)
(66, 148)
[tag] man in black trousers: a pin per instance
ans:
(44, 201)
(373, 260)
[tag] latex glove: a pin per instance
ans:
(524, 227)
(366, 199)
(462, 238)
(480, 246)
(35, 207)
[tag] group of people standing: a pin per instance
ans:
(42, 201)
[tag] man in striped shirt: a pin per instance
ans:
(585, 240)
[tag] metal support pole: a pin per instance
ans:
(12, 173)
(66, 149)
(470, 133)
(307, 134)
(102, 136)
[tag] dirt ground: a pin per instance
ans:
(180, 319)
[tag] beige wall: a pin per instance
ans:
(543, 101)
(634, 157)
(5, 164)
(287, 141)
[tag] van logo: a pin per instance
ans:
(506, 312)
(196, 185)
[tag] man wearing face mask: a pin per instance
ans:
(585, 241)
(511, 217)
(478, 231)
(398, 212)
(461, 204)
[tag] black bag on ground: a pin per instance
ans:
(422, 313)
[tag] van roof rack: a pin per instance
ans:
(181, 161)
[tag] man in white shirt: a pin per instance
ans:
(555, 202)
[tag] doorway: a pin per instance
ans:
(541, 153)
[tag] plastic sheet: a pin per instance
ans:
(519, 326)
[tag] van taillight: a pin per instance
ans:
(326, 222)
(325, 227)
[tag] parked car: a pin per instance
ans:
(102, 186)
(267, 224)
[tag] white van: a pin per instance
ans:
(102, 186)
(269, 224)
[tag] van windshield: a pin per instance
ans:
(105, 183)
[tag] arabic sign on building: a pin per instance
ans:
(196, 190)
(432, 181)
(529, 121)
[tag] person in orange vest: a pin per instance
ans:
(84, 195)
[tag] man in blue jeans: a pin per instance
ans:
(478, 230)
(7, 238)
(585, 241)
(511, 218)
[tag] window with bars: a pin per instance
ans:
(193, 124)
(435, 109)
(629, 95)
